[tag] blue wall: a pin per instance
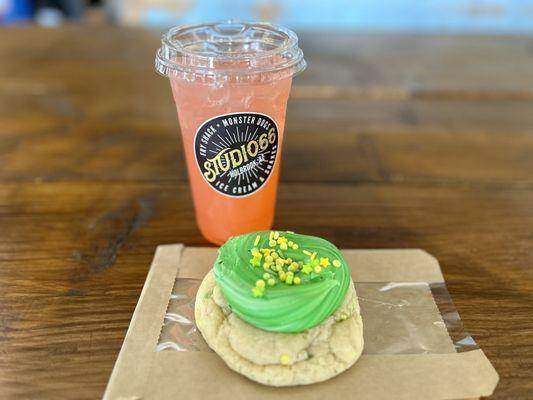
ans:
(12, 11)
(456, 16)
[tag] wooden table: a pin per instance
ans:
(391, 142)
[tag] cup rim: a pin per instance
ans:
(284, 57)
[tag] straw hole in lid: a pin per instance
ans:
(229, 28)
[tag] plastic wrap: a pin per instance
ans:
(398, 318)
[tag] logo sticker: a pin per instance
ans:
(236, 152)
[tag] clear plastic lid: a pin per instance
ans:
(229, 49)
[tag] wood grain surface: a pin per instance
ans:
(392, 141)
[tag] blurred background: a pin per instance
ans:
(441, 16)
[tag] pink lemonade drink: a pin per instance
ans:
(231, 82)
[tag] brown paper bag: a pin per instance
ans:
(409, 353)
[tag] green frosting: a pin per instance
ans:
(283, 307)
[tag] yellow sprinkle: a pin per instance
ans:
(318, 269)
(291, 268)
(257, 239)
(295, 246)
(288, 260)
(282, 239)
(295, 265)
(276, 235)
(260, 283)
(255, 262)
(282, 276)
(271, 235)
(307, 253)
(272, 243)
(324, 262)
(279, 267)
(269, 259)
(307, 269)
(290, 273)
(266, 251)
(284, 359)
(274, 255)
(283, 246)
(343, 317)
(336, 263)
(256, 254)
(271, 282)
(313, 255)
(290, 243)
(267, 266)
(266, 276)
(297, 280)
(289, 279)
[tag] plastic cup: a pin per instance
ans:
(231, 82)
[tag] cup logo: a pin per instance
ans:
(236, 152)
